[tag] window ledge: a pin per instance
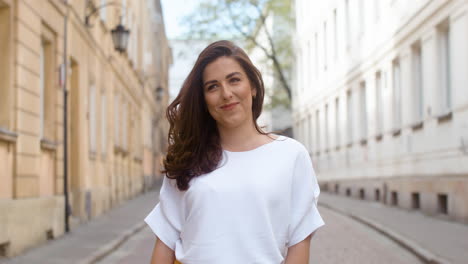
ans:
(48, 144)
(447, 116)
(396, 132)
(120, 150)
(378, 137)
(8, 136)
(92, 155)
(417, 125)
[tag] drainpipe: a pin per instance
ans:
(65, 119)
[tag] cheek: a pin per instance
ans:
(211, 103)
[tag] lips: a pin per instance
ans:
(229, 106)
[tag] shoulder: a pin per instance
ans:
(292, 146)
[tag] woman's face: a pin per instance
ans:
(228, 93)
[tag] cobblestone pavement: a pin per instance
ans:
(341, 240)
(432, 237)
(344, 240)
(92, 240)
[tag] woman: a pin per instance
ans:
(233, 193)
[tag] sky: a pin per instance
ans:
(173, 12)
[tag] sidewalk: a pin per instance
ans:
(91, 241)
(431, 239)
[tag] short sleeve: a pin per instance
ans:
(305, 217)
(165, 220)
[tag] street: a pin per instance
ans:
(341, 240)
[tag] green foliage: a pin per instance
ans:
(243, 21)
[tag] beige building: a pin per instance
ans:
(381, 100)
(115, 125)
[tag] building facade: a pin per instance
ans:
(114, 118)
(380, 100)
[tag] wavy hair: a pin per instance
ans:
(194, 143)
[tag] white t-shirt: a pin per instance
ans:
(250, 209)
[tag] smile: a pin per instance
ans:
(229, 106)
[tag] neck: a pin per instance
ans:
(239, 137)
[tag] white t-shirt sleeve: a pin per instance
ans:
(166, 218)
(305, 217)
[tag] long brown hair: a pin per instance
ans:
(194, 144)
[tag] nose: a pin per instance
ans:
(226, 91)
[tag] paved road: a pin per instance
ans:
(344, 240)
(341, 240)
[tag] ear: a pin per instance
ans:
(254, 91)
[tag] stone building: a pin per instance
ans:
(115, 112)
(381, 100)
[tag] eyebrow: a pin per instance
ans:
(227, 77)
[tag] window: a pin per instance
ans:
(394, 198)
(337, 121)
(316, 67)
(396, 95)
(124, 125)
(309, 135)
(361, 17)
(442, 201)
(317, 130)
(335, 35)
(417, 79)
(137, 46)
(42, 96)
(363, 105)
(92, 118)
(299, 130)
(443, 32)
(347, 24)
(349, 116)
(362, 194)
(103, 123)
(378, 103)
(327, 140)
(325, 43)
(124, 12)
(47, 91)
(102, 11)
(309, 61)
(116, 120)
(6, 107)
(377, 9)
(415, 200)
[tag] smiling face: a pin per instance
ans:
(228, 93)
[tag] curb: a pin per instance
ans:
(422, 253)
(106, 249)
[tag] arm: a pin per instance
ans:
(299, 253)
(162, 254)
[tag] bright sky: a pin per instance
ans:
(173, 12)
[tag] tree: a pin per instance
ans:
(244, 20)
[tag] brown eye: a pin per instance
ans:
(211, 87)
(234, 80)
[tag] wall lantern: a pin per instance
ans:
(159, 93)
(120, 38)
(119, 34)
